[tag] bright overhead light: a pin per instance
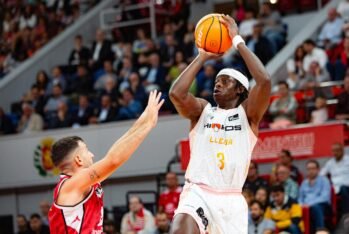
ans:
(273, 1)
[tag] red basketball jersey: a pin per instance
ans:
(86, 217)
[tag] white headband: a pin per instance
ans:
(235, 75)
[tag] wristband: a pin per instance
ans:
(237, 40)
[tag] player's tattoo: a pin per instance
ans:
(94, 175)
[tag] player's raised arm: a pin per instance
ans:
(258, 99)
(186, 104)
(119, 153)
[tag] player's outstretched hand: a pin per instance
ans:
(230, 23)
(150, 114)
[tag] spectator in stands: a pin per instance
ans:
(57, 78)
(331, 32)
(27, 18)
(205, 82)
(259, 224)
(82, 114)
(253, 181)
(42, 81)
(168, 200)
(61, 118)
(108, 72)
(338, 169)
(137, 87)
(82, 82)
(156, 74)
(111, 89)
(295, 68)
(37, 100)
(6, 125)
(22, 225)
(56, 97)
(248, 195)
(167, 50)
(44, 209)
(342, 108)
(284, 211)
(260, 45)
(320, 115)
(285, 158)
(343, 10)
(105, 113)
(313, 79)
(339, 59)
(37, 226)
(313, 53)
(109, 227)
(246, 26)
(283, 178)
(29, 121)
(189, 47)
(262, 196)
(140, 44)
(163, 225)
(315, 191)
(124, 73)
(283, 109)
(80, 54)
(273, 26)
(101, 50)
(130, 107)
(238, 12)
(22, 44)
(138, 219)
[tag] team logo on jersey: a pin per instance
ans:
(233, 117)
(42, 158)
(217, 127)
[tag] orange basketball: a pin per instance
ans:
(211, 35)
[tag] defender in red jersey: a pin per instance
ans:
(78, 196)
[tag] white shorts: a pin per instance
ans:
(215, 212)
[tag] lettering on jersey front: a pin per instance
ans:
(217, 127)
(221, 140)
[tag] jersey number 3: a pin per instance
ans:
(221, 160)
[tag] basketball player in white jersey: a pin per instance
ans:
(221, 141)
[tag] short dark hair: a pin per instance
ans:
(258, 203)
(63, 147)
(313, 161)
(287, 153)
(309, 42)
(35, 216)
(78, 37)
(283, 83)
(22, 216)
(277, 188)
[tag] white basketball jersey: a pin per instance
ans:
(221, 145)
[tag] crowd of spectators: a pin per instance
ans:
(26, 26)
(304, 95)
(276, 199)
(110, 80)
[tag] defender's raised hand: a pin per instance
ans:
(150, 114)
